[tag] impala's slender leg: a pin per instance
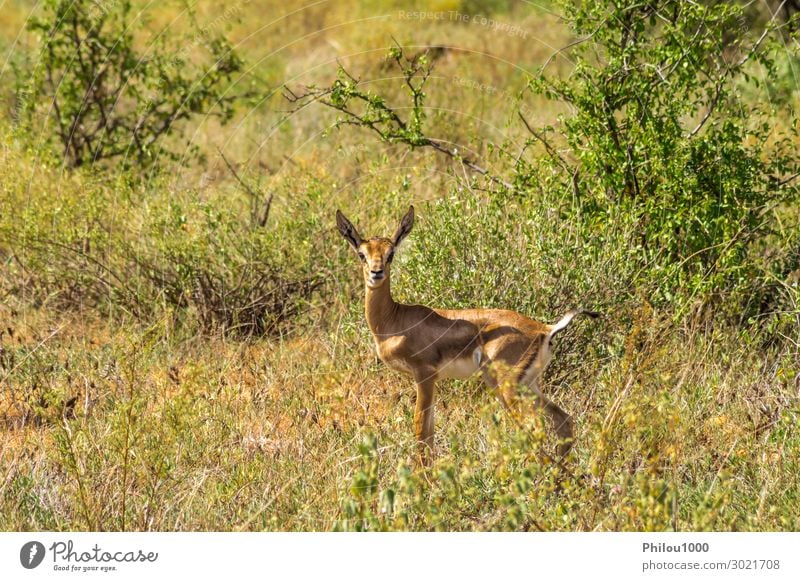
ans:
(423, 414)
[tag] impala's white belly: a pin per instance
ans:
(461, 368)
(458, 368)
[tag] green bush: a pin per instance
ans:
(109, 100)
(660, 129)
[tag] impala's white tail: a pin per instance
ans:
(567, 319)
(531, 373)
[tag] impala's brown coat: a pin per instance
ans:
(507, 348)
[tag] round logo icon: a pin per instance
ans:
(31, 554)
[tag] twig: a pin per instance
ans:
(242, 183)
(263, 219)
(260, 219)
(550, 149)
(570, 45)
(786, 180)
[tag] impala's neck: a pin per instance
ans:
(380, 308)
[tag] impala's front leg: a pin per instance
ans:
(423, 414)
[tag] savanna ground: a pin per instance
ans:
(182, 339)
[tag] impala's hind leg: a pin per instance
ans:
(528, 380)
(520, 378)
(562, 422)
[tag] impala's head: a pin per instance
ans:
(376, 254)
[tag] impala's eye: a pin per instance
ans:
(361, 256)
(391, 255)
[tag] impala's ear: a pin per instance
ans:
(405, 227)
(347, 230)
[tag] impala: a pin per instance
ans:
(506, 348)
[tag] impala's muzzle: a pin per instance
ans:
(376, 276)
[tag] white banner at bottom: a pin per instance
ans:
(400, 556)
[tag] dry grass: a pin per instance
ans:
(180, 433)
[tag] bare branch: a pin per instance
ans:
(383, 119)
(242, 183)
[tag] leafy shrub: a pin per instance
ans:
(110, 101)
(660, 129)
